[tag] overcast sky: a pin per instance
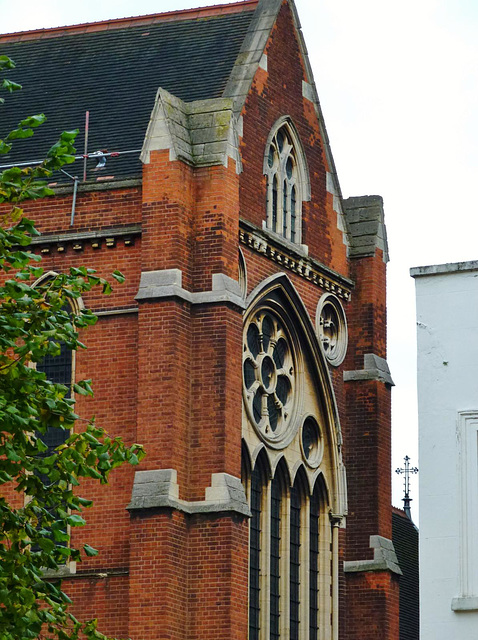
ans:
(398, 86)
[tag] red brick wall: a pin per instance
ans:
(373, 615)
(273, 94)
(170, 377)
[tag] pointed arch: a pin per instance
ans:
(278, 561)
(257, 558)
(320, 559)
(298, 471)
(278, 294)
(292, 429)
(288, 182)
(75, 304)
(288, 125)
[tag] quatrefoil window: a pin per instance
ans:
(269, 375)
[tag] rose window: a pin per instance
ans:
(269, 375)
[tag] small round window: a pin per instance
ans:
(269, 376)
(332, 329)
(311, 442)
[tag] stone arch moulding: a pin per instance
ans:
(298, 470)
(288, 181)
(76, 304)
(280, 287)
(302, 166)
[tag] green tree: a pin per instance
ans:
(39, 499)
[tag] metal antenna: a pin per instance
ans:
(407, 470)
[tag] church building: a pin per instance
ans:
(246, 349)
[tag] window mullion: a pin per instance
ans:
(305, 570)
(265, 565)
(325, 578)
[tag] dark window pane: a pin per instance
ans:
(285, 211)
(267, 330)
(289, 167)
(275, 189)
(293, 214)
(309, 437)
(280, 351)
(257, 407)
(267, 372)
(283, 389)
(58, 368)
(294, 589)
(253, 340)
(314, 567)
(255, 555)
(249, 374)
(273, 413)
(280, 140)
(276, 500)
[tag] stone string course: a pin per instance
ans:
(302, 266)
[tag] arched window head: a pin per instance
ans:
(287, 181)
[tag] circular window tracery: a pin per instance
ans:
(311, 442)
(269, 376)
(332, 329)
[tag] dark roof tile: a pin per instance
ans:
(115, 74)
(405, 541)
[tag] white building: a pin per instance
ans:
(447, 330)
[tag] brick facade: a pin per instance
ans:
(166, 361)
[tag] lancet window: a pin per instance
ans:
(289, 556)
(285, 188)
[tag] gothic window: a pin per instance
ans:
(288, 474)
(289, 556)
(58, 369)
(284, 167)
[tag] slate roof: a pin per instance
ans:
(405, 541)
(114, 72)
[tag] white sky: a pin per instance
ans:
(398, 86)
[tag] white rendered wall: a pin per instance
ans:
(447, 332)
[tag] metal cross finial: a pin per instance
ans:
(407, 470)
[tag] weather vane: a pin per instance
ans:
(407, 470)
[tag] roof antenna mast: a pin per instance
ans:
(406, 471)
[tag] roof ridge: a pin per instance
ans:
(118, 23)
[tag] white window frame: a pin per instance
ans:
(467, 461)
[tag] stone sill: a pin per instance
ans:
(465, 603)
